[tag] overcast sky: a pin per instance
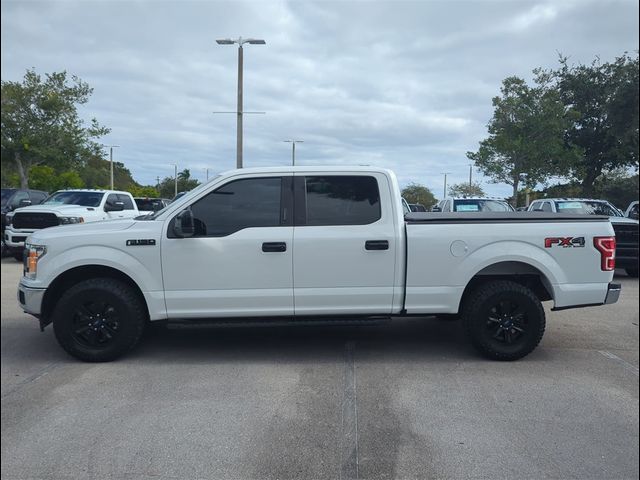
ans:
(403, 85)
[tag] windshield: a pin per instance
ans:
(6, 194)
(84, 199)
(481, 205)
(586, 207)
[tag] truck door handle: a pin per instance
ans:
(376, 245)
(274, 247)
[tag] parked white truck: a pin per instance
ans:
(66, 207)
(313, 243)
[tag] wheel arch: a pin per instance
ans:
(77, 274)
(517, 271)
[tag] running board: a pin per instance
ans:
(278, 322)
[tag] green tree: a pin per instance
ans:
(43, 177)
(416, 193)
(143, 191)
(41, 125)
(185, 183)
(605, 99)
(526, 135)
(466, 190)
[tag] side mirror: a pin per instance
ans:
(183, 225)
(24, 203)
(114, 207)
(435, 208)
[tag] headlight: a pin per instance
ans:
(8, 218)
(68, 220)
(33, 253)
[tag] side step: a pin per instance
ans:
(277, 322)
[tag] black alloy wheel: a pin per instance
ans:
(99, 319)
(95, 324)
(504, 319)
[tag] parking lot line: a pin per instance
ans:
(622, 362)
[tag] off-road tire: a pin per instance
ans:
(18, 256)
(490, 301)
(99, 319)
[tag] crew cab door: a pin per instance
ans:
(344, 244)
(239, 261)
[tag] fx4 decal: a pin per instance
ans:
(564, 242)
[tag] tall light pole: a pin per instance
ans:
(175, 178)
(111, 147)
(445, 183)
(470, 175)
(240, 41)
(293, 151)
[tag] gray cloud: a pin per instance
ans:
(405, 85)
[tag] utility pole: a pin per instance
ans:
(158, 183)
(175, 178)
(111, 147)
(293, 151)
(445, 184)
(207, 170)
(470, 175)
(240, 41)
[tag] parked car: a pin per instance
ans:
(65, 207)
(632, 210)
(13, 198)
(472, 204)
(228, 249)
(148, 205)
(417, 207)
(626, 228)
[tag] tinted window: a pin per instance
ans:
(546, 207)
(18, 197)
(37, 197)
(112, 199)
(342, 200)
(149, 204)
(587, 208)
(126, 200)
(253, 202)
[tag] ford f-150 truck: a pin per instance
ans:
(66, 207)
(307, 243)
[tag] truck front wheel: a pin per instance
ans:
(99, 319)
(504, 320)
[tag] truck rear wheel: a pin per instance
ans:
(99, 319)
(504, 320)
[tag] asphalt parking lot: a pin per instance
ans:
(404, 400)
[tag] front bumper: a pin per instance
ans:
(14, 239)
(30, 299)
(613, 293)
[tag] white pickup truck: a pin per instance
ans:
(309, 243)
(66, 207)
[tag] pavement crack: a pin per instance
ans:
(30, 379)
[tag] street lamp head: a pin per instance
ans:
(255, 41)
(225, 41)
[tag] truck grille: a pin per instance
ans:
(34, 220)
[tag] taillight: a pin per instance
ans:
(607, 248)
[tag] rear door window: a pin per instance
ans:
(342, 200)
